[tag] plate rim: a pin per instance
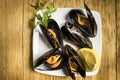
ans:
(96, 71)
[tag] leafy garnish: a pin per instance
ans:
(35, 6)
(43, 4)
(32, 23)
(38, 5)
(43, 18)
(51, 8)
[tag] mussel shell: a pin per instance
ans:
(42, 59)
(48, 36)
(91, 20)
(87, 29)
(45, 56)
(72, 53)
(67, 67)
(55, 28)
(63, 60)
(76, 35)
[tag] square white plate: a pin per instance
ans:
(40, 45)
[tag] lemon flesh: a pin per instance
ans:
(90, 58)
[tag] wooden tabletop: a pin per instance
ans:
(16, 39)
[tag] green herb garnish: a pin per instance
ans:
(32, 23)
(46, 13)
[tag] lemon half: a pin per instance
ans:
(90, 58)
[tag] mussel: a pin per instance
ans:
(54, 59)
(76, 35)
(75, 63)
(86, 24)
(52, 34)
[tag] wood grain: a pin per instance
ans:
(16, 39)
(27, 41)
(118, 38)
(3, 40)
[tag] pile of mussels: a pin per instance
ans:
(78, 30)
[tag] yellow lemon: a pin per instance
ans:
(90, 58)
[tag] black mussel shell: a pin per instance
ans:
(91, 20)
(45, 56)
(81, 68)
(79, 19)
(42, 59)
(54, 42)
(54, 26)
(76, 35)
(62, 61)
(67, 67)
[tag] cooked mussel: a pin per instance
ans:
(91, 20)
(75, 63)
(54, 59)
(85, 23)
(74, 34)
(52, 34)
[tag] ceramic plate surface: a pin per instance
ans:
(40, 45)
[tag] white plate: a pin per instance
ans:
(40, 45)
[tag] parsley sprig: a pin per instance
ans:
(43, 18)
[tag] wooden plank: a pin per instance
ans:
(14, 58)
(69, 4)
(106, 8)
(118, 38)
(16, 39)
(3, 53)
(29, 73)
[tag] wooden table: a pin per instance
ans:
(16, 39)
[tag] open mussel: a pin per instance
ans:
(86, 24)
(75, 63)
(54, 59)
(76, 35)
(91, 20)
(52, 33)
